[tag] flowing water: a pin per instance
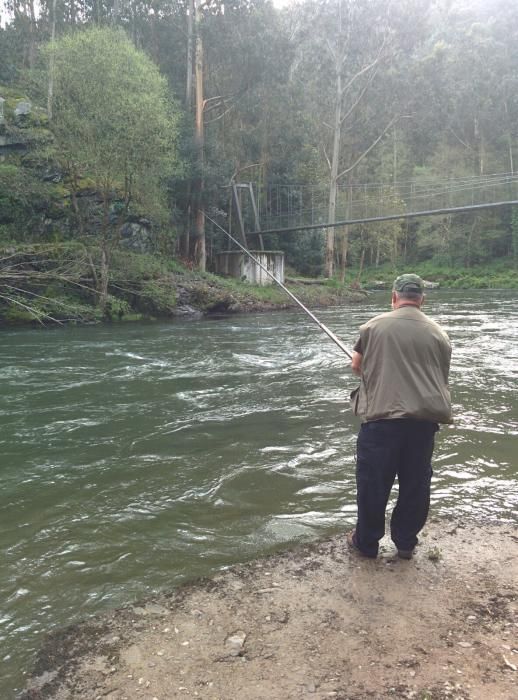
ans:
(134, 457)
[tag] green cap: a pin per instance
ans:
(408, 283)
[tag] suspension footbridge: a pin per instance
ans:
(289, 207)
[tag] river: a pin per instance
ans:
(134, 457)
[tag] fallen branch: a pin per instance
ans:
(38, 315)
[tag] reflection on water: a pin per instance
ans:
(135, 457)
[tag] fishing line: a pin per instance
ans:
(324, 328)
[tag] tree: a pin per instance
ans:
(115, 124)
(347, 53)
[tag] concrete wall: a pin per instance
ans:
(238, 265)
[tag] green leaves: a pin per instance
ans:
(112, 113)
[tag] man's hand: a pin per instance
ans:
(356, 363)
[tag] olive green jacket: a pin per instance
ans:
(404, 369)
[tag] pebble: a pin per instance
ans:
(465, 645)
(160, 653)
(235, 643)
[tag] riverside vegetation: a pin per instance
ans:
(104, 181)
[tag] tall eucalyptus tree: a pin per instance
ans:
(347, 50)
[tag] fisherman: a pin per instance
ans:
(403, 360)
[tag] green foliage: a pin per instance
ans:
(24, 201)
(305, 251)
(161, 295)
(11, 190)
(435, 554)
(270, 89)
(514, 233)
(116, 308)
(144, 281)
(25, 306)
(501, 274)
(113, 116)
(138, 266)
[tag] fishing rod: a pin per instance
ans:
(326, 330)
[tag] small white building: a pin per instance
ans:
(236, 264)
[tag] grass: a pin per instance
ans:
(148, 286)
(498, 274)
(435, 555)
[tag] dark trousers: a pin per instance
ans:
(385, 449)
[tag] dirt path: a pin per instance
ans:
(315, 622)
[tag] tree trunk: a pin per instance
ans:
(198, 251)
(509, 137)
(32, 35)
(184, 238)
(360, 269)
(190, 41)
(333, 181)
(479, 140)
(344, 235)
(104, 277)
(104, 273)
(73, 192)
(50, 91)
(342, 253)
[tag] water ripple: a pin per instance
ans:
(135, 457)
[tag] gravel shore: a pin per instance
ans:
(316, 621)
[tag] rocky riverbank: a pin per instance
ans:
(60, 283)
(315, 622)
(200, 295)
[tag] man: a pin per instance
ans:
(403, 359)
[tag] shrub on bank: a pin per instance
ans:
(501, 274)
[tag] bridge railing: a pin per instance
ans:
(302, 205)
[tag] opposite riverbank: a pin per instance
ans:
(316, 622)
(60, 283)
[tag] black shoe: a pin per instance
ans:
(405, 553)
(351, 541)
